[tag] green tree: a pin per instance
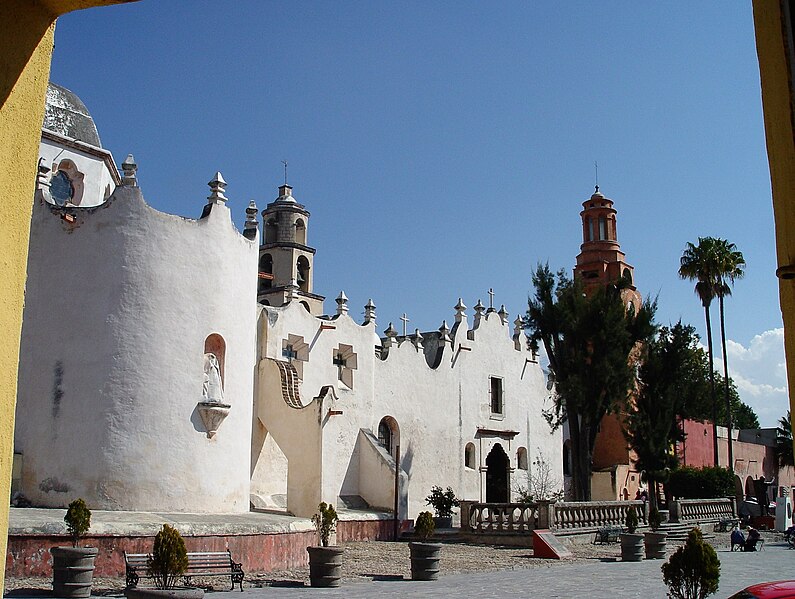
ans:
(699, 405)
(589, 340)
(670, 375)
(784, 441)
(730, 267)
(698, 264)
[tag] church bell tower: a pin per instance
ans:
(285, 261)
(601, 260)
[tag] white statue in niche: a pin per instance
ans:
(212, 389)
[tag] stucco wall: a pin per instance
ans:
(437, 410)
(119, 306)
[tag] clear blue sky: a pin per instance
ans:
(444, 148)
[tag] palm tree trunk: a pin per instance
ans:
(712, 388)
(729, 422)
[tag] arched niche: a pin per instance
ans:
(521, 458)
(215, 344)
(469, 456)
(271, 230)
(302, 273)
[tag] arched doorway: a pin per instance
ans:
(497, 464)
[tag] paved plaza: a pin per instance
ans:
(588, 579)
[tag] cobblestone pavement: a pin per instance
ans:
(382, 569)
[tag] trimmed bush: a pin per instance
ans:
(169, 558)
(701, 483)
(442, 502)
(325, 520)
(424, 525)
(78, 520)
(694, 570)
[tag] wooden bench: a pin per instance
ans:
(607, 534)
(202, 563)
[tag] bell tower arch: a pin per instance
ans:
(285, 271)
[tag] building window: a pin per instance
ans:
(389, 434)
(602, 228)
(346, 361)
(271, 231)
(521, 458)
(590, 230)
(296, 351)
(302, 274)
(469, 456)
(300, 232)
(495, 389)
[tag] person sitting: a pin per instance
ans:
(753, 538)
(737, 538)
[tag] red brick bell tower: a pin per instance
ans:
(599, 263)
(601, 260)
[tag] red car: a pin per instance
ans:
(783, 589)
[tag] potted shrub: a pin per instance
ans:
(424, 555)
(325, 563)
(631, 542)
(693, 571)
(655, 540)
(167, 562)
(443, 503)
(73, 567)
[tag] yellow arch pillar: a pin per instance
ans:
(771, 21)
(27, 28)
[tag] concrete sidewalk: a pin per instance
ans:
(560, 580)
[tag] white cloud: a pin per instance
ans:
(760, 373)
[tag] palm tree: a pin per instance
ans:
(698, 263)
(784, 441)
(729, 267)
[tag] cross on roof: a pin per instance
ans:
(405, 320)
(491, 298)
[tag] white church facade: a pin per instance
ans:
(172, 364)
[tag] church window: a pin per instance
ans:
(602, 228)
(389, 434)
(271, 231)
(589, 233)
(628, 275)
(265, 280)
(302, 276)
(346, 361)
(61, 188)
(300, 232)
(521, 458)
(495, 390)
(296, 351)
(469, 456)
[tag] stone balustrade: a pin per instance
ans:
(491, 518)
(577, 515)
(702, 510)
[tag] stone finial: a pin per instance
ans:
(503, 314)
(292, 290)
(391, 336)
(250, 227)
(416, 339)
(518, 327)
(479, 308)
(460, 310)
(369, 311)
(129, 169)
(342, 303)
(444, 334)
(217, 188)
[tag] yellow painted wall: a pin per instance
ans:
(777, 104)
(26, 41)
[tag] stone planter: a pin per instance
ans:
(72, 571)
(631, 547)
(445, 522)
(425, 560)
(325, 566)
(655, 543)
(178, 593)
